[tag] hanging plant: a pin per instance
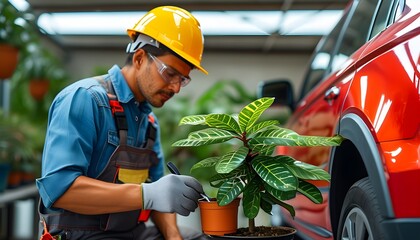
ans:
(10, 37)
(39, 68)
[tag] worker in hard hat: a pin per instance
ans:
(102, 164)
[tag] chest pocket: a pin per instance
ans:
(131, 164)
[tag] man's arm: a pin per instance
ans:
(166, 222)
(170, 194)
(90, 196)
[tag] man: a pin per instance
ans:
(102, 141)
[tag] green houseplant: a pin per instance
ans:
(15, 148)
(17, 30)
(11, 38)
(252, 170)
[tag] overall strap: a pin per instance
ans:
(116, 109)
(120, 118)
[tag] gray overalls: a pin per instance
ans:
(127, 164)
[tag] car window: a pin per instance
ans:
(321, 59)
(382, 18)
(357, 32)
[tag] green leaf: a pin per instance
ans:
(241, 172)
(262, 125)
(262, 149)
(288, 207)
(193, 120)
(274, 173)
(231, 160)
(266, 205)
(269, 198)
(205, 137)
(252, 112)
(285, 137)
(230, 190)
(310, 191)
(223, 121)
(251, 199)
(205, 163)
(280, 195)
(304, 170)
(275, 135)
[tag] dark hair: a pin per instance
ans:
(149, 49)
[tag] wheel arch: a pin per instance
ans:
(357, 157)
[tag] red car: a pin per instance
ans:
(363, 82)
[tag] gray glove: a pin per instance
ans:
(172, 193)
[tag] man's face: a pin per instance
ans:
(159, 79)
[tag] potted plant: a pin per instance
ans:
(14, 148)
(37, 69)
(252, 170)
(13, 35)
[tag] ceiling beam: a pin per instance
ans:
(41, 6)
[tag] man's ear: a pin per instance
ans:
(138, 58)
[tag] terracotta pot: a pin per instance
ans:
(15, 179)
(8, 60)
(38, 88)
(219, 220)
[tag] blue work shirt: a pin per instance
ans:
(82, 135)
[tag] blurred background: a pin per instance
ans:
(58, 42)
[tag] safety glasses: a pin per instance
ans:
(169, 74)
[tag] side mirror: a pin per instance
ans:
(281, 89)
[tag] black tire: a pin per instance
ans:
(360, 217)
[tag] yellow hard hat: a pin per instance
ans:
(175, 28)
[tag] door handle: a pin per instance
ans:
(331, 94)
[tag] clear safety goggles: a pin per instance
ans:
(169, 74)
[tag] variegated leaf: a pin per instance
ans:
(205, 163)
(241, 172)
(205, 137)
(251, 199)
(262, 125)
(223, 121)
(193, 120)
(262, 149)
(230, 190)
(310, 191)
(304, 170)
(252, 112)
(285, 137)
(231, 160)
(280, 195)
(274, 173)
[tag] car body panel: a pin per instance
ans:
(375, 105)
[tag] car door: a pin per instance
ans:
(318, 111)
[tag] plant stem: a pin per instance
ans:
(251, 225)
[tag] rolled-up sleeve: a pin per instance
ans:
(70, 137)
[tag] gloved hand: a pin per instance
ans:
(172, 193)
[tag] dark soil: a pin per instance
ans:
(263, 231)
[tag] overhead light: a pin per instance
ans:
(292, 22)
(20, 5)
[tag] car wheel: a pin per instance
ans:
(360, 217)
